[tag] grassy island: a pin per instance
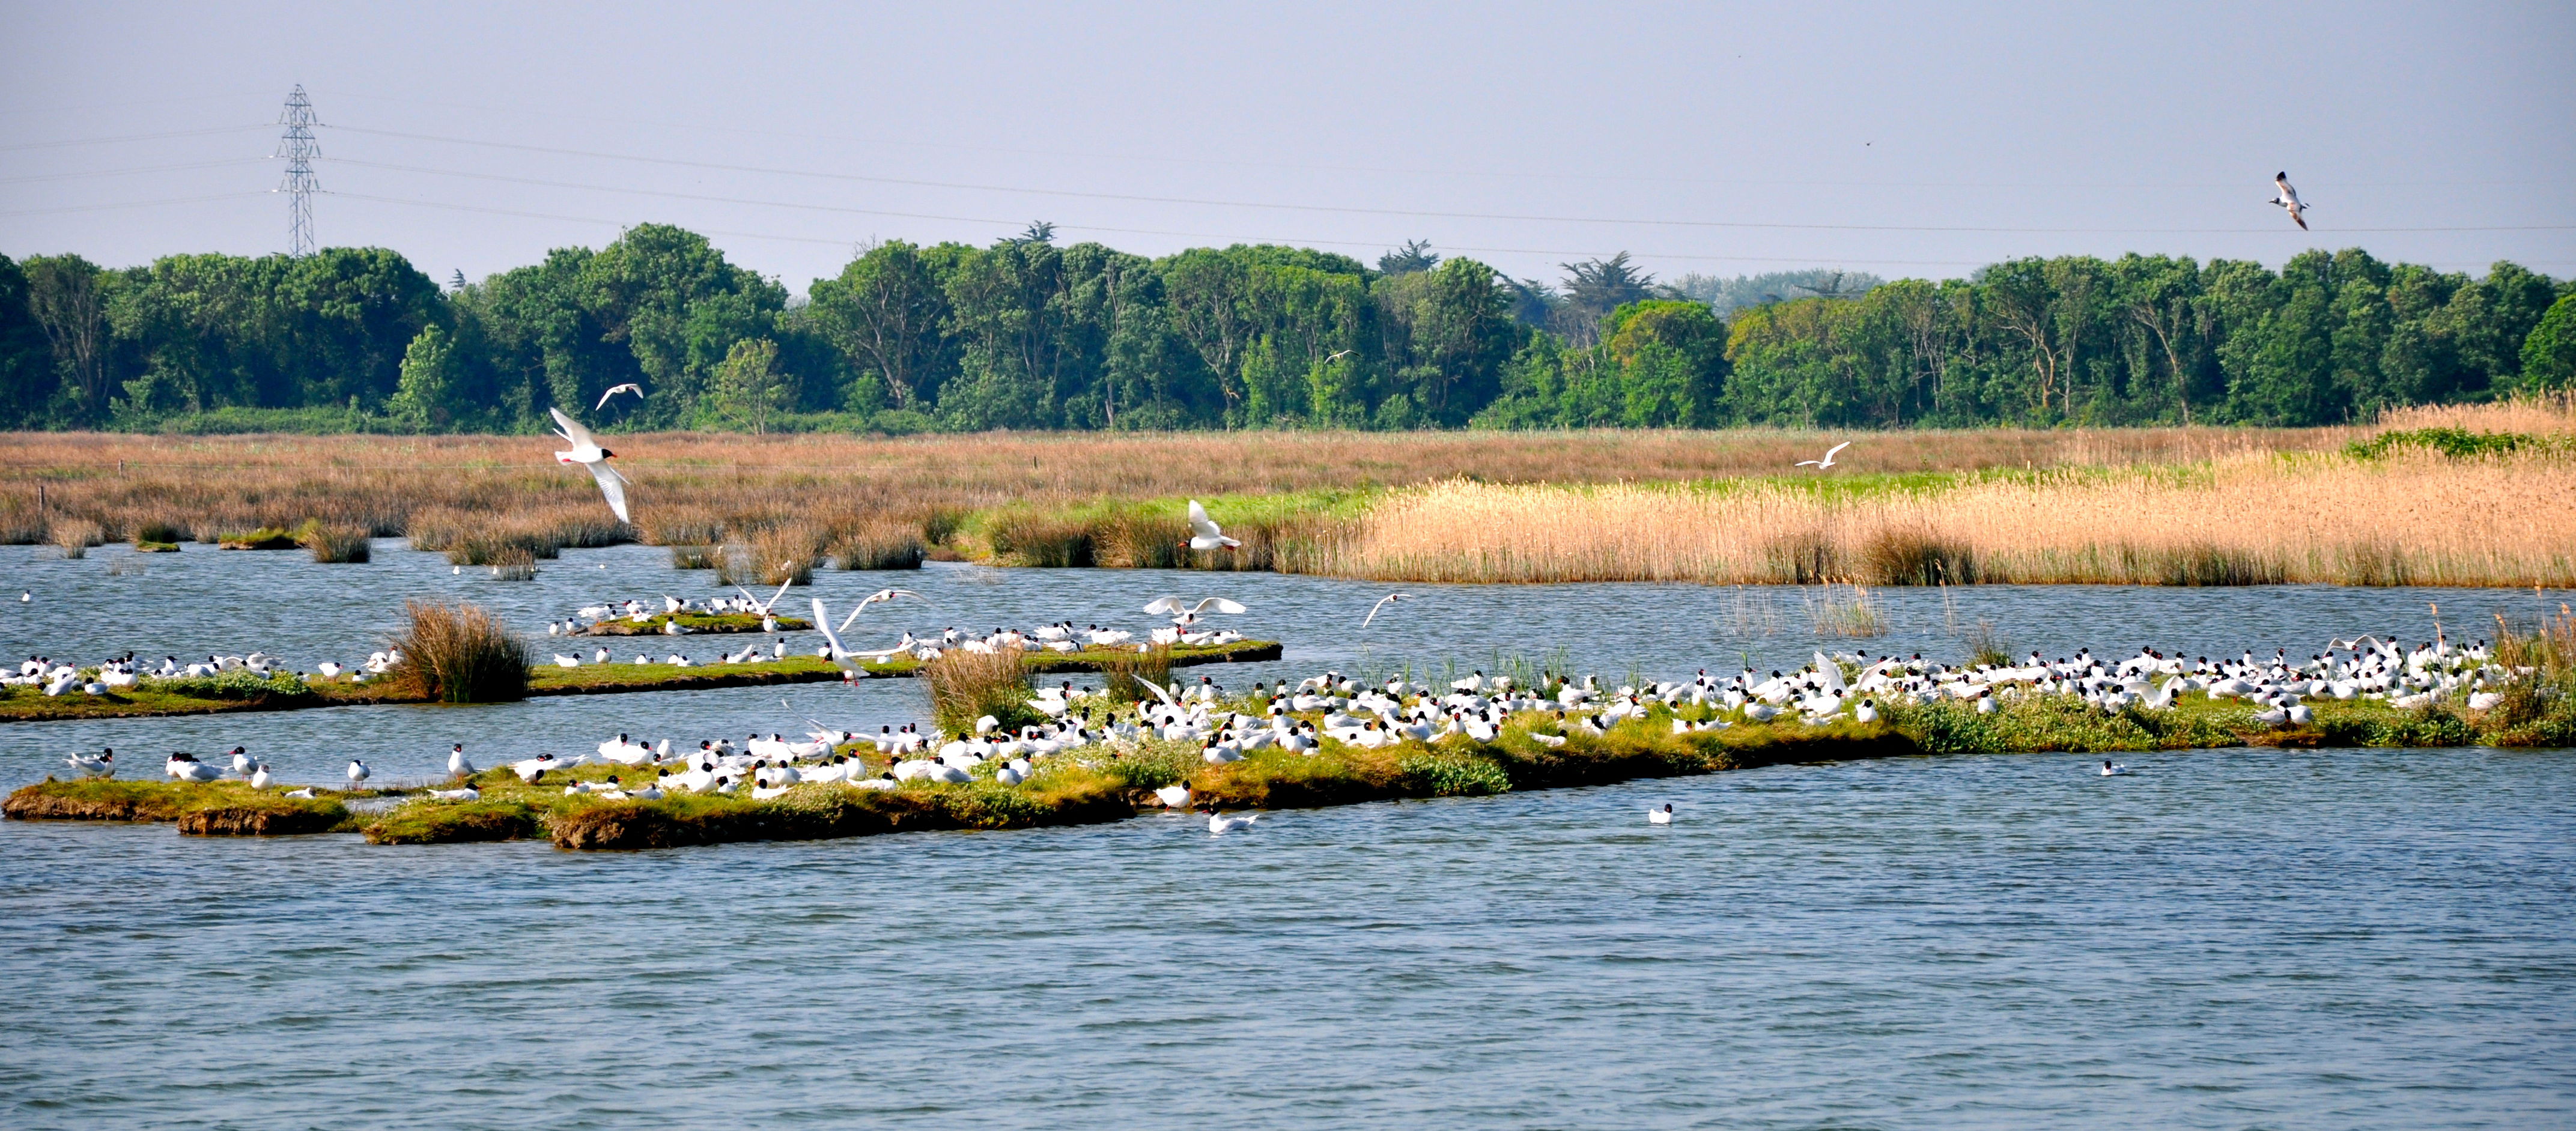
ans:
(694, 623)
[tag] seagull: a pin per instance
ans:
(587, 452)
(1663, 816)
(1203, 533)
(357, 772)
(879, 597)
(457, 764)
(1190, 615)
(1382, 602)
(1828, 461)
(613, 390)
(2289, 200)
(1219, 823)
(773, 599)
(100, 765)
(259, 778)
(1337, 355)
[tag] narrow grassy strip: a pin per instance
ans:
(199, 809)
(655, 625)
(288, 693)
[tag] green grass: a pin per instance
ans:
(223, 808)
(695, 623)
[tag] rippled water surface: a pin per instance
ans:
(2226, 939)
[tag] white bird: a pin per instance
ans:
(613, 390)
(469, 793)
(357, 772)
(1173, 796)
(100, 765)
(1663, 816)
(2289, 200)
(1382, 602)
(186, 767)
(242, 763)
(457, 763)
(1172, 607)
(306, 792)
(1204, 534)
(1828, 461)
(587, 452)
(1220, 823)
(879, 597)
(764, 606)
(2111, 769)
(259, 778)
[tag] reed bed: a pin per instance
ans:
(2415, 519)
(879, 544)
(693, 488)
(74, 537)
(331, 544)
(459, 654)
(967, 686)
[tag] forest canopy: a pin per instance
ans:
(1028, 334)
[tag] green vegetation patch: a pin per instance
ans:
(224, 808)
(264, 538)
(2457, 443)
(454, 822)
(695, 623)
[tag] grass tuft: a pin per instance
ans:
(459, 654)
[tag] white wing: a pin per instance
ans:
(612, 485)
(1164, 605)
(823, 624)
(1830, 452)
(1222, 605)
(573, 430)
(1158, 691)
(1382, 602)
(1200, 523)
(1808, 463)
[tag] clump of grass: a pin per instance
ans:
(454, 822)
(1127, 672)
(74, 536)
(512, 563)
(240, 684)
(1043, 541)
(460, 654)
(2457, 443)
(772, 556)
(1854, 616)
(1917, 557)
(880, 545)
(691, 556)
(264, 538)
(966, 686)
(332, 543)
(1452, 773)
(1988, 647)
(159, 532)
(2205, 565)
(1808, 557)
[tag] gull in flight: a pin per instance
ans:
(1337, 356)
(1190, 614)
(1204, 534)
(2289, 200)
(1828, 461)
(773, 600)
(879, 597)
(613, 390)
(587, 452)
(1383, 602)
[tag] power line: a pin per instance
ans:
(135, 169)
(132, 137)
(299, 149)
(1354, 210)
(135, 203)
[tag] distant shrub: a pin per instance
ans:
(460, 654)
(2457, 443)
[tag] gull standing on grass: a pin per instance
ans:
(586, 451)
(1828, 461)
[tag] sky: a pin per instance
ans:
(1716, 138)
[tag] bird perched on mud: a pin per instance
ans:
(587, 451)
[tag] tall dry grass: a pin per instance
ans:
(459, 654)
(2414, 519)
(966, 686)
(694, 488)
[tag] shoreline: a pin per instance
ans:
(620, 678)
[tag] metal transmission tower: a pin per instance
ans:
(299, 149)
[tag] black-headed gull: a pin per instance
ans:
(1204, 534)
(2289, 200)
(613, 390)
(1828, 461)
(1382, 602)
(586, 451)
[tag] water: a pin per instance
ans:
(2226, 939)
(202, 600)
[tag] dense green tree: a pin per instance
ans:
(2549, 353)
(28, 376)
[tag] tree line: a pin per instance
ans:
(1029, 334)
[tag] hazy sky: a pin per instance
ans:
(1717, 138)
